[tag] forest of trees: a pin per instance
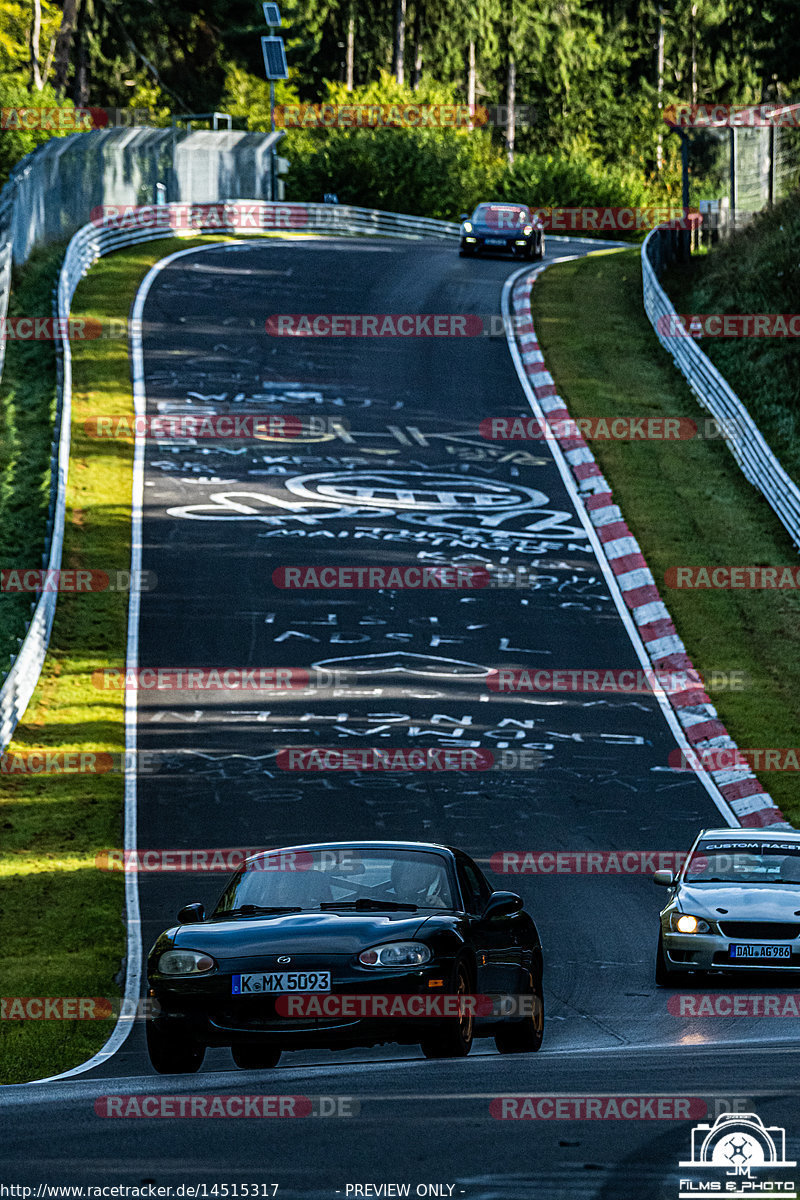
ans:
(596, 72)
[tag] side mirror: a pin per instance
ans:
(664, 878)
(464, 217)
(502, 904)
(191, 913)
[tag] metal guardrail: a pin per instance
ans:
(740, 432)
(259, 216)
(86, 246)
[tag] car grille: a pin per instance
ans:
(259, 1013)
(770, 931)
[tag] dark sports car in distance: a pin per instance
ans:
(502, 229)
(734, 906)
(340, 944)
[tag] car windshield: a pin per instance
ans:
(501, 216)
(352, 878)
(744, 862)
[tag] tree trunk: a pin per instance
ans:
(80, 86)
(399, 41)
(416, 74)
(471, 76)
(694, 54)
(36, 29)
(511, 99)
(351, 47)
(660, 87)
(64, 45)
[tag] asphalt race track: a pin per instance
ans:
(403, 478)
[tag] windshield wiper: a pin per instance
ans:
(365, 903)
(254, 910)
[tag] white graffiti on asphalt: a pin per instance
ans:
(447, 502)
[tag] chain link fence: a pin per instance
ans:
(53, 191)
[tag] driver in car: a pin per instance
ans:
(419, 883)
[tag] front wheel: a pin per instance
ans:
(665, 977)
(525, 1036)
(255, 1058)
(453, 1038)
(172, 1054)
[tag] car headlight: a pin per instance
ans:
(686, 923)
(395, 954)
(467, 227)
(185, 962)
(528, 230)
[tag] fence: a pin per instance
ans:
(85, 247)
(759, 465)
(52, 192)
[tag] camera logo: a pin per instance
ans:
(736, 1145)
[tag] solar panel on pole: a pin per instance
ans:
(272, 15)
(274, 58)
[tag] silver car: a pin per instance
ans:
(734, 905)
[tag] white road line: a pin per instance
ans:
(133, 973)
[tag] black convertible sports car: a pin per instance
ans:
(346, 944)
(503, 229)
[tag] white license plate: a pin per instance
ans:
(495, 241)
(280, 981)
(757, 952)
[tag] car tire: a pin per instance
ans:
(665, 977)
(172, 1054)
(453, 1038)
(525, 1036)
(255, 1058)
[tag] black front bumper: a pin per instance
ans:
(205, 1011)
(509, 246)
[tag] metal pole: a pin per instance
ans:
(685, 233)
(733, 179)
(773, 138)
(272, 147)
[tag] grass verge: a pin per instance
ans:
(686, 502)
(27, 412)
(62, 930)
(755, 271)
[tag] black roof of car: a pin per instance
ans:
(435, 847)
